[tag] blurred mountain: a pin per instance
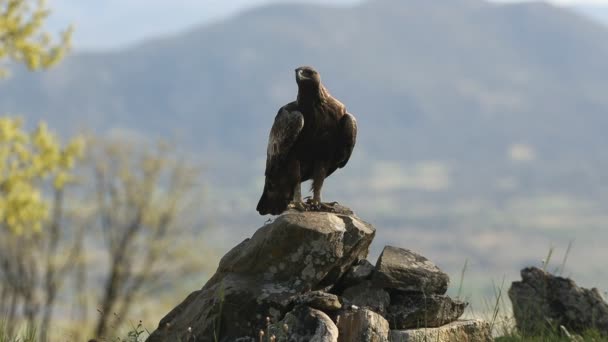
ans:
(441, 79)
(113, 24)
(596, 12)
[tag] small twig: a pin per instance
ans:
(563, 266)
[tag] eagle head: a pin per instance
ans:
(307, 75)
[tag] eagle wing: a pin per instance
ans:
(284, 133)
(348, 125)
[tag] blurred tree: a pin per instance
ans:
(22, 38)
(140, 200)
(31, 232)
(31, 226)
(143, 198)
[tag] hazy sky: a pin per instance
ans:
(571, 2)
(117, 23)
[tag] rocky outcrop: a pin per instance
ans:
(543, 301)
(458, 331)
(295, 253)
(304, 277)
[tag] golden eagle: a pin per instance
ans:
(310, 138)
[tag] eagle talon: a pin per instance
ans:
(311, 204)
(329, 207)
(299, 206)
(314, 205)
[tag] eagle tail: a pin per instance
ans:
(274, 201)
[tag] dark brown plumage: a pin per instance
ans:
(310, 138)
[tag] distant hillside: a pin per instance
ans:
(596, 12)
(442, 79)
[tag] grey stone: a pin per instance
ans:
(543, 301)
(295, 253)
(358, 273)
(366, 295)
(459, 331)
(415, 310)
(318, 300)
(333, 208)
(362, 325)
(304, 324)
(402, 269)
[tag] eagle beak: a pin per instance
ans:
(300, 75)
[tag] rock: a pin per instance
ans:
(415, 310)
(366, 295)
(334, 208)
(297, 252)
(305, 268)
(404, 270)
(362, 325)
(459, 331)
(358, 273)
(305, 324)
(319, 300)
(543, 301)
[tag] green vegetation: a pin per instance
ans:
(29, 335)
(137, 334)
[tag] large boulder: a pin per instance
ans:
(260, 277)
(304, 324)
(543, 301)
(404, 270)
(416, 310)
(459, 331)
(362, 325)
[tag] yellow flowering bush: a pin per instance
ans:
(21, 38)
(27, 161)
